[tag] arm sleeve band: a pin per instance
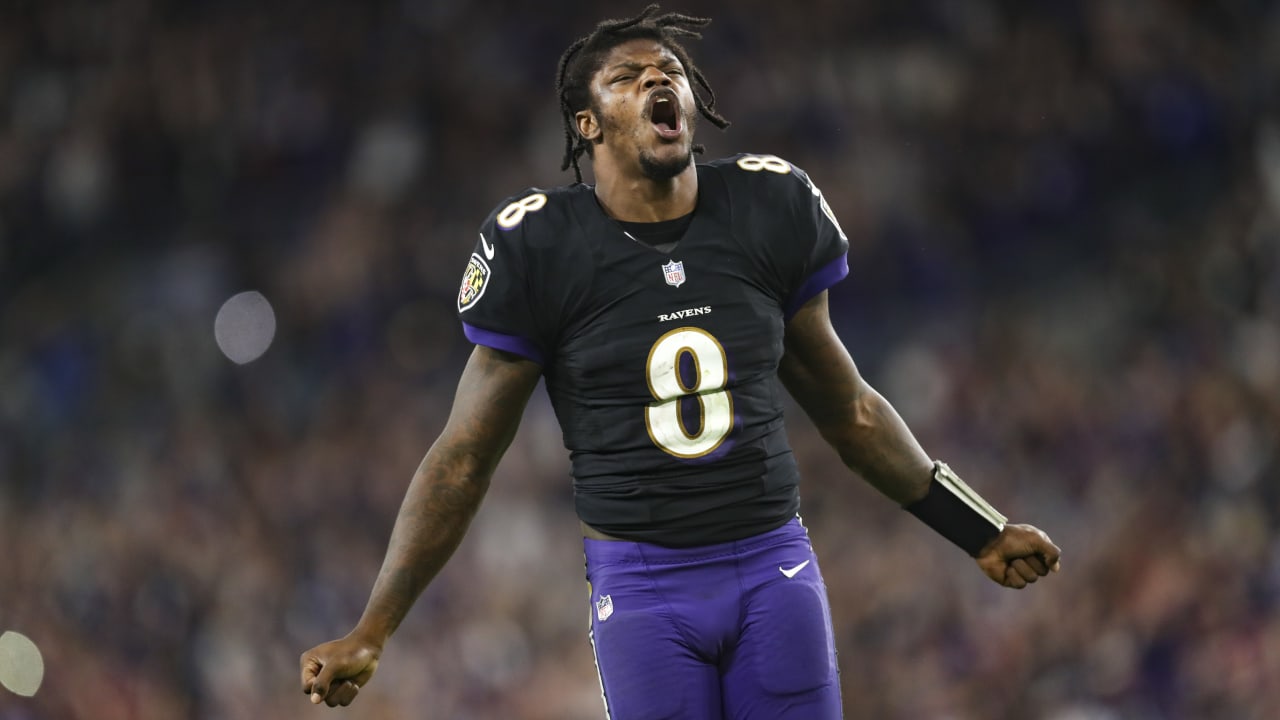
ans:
(957, 512)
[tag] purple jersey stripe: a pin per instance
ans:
(498, 341)
(826, 276)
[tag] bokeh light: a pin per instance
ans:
(245, 327)
(21, 665)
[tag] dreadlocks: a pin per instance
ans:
(580, 62)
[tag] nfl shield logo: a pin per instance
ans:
(604, 607)
(674, 272)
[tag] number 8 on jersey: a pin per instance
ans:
(664, 418)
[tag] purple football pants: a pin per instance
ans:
(739, 630)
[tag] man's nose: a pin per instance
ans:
(654, 77)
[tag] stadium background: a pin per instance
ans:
(1065, 274)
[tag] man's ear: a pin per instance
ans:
(588, 126)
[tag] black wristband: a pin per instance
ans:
(956, 512)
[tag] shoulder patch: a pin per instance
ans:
(474, 281)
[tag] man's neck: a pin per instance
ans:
(639, 199)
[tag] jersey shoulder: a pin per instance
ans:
(536, 217)
(762, 175)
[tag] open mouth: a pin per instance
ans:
(664, 112)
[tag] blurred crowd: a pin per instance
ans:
(1065, 227)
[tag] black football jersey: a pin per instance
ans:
(662, 365)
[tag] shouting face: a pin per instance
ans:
(643, 109)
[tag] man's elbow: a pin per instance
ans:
(865, 409)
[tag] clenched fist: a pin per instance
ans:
(334, 672)
(1019, 555)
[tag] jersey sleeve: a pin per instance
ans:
(495, 299)
(826, 261)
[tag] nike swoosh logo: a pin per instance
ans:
(791, 572)
(488, 249)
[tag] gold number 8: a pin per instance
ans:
(772, 163)
(512, 214)
(664, 418)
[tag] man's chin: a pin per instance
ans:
(664, 166)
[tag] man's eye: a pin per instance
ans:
(623, 78)
(675, 71)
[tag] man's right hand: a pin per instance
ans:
(334, 672)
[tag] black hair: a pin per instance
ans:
(583, 58)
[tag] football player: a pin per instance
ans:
(666, 306)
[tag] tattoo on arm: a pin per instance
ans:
(447, 488)
(433, 519)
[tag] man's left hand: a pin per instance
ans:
(1019, 555)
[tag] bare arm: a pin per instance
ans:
(438, 507)
(857, 421)
(873, 440)
(450, 482)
